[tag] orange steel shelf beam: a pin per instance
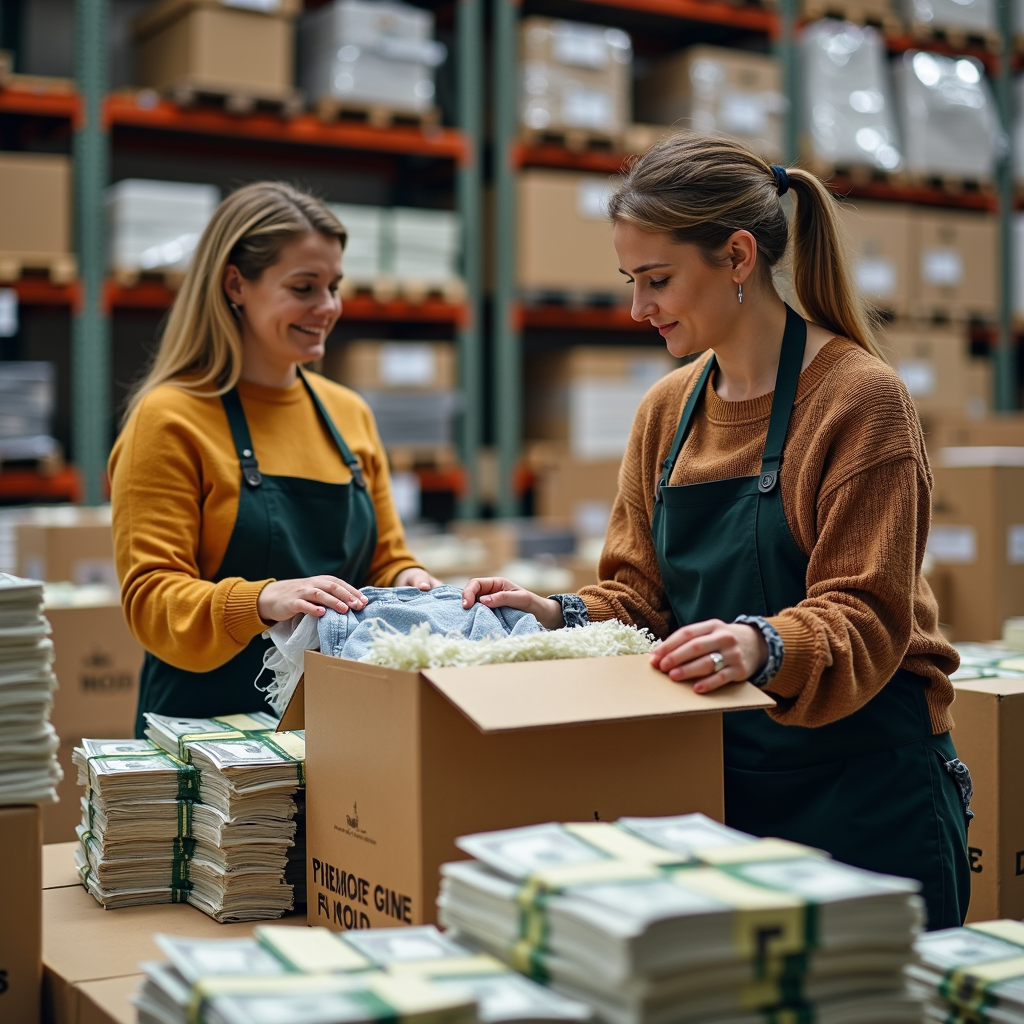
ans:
(39, 291)
(41, 102)
(28, 485)
(756, 19)
(912, 194)
(304, 130)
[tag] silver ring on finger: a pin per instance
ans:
(717, 661)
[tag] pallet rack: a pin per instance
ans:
(780, 27)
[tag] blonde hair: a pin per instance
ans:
(201, 348)
(701, 189)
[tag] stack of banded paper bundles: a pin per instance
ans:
(987, 661)
(205, 814)
(29, 770)
(972, 975)
(312, 975)
(652, 920)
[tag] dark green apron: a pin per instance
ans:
(286, 528)
(871, 788)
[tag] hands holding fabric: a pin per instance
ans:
(498, 592)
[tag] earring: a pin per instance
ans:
(235, 309)
(739, 293)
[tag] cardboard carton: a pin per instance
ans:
(21, 968)
(1001, 430)
(35, 212)
(206, 46)
(989, 726)
(59, 869)
(399, 365)
(717, 90)
(956, 270)
(977, 538)
(564, 242)
(578, 493)
(399, 764)
(879, 235)
(84, 944)
(107, 1001)
(936, 365)
(78, 549)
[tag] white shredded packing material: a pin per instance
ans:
(421, 648)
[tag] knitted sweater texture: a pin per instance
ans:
(856, 492)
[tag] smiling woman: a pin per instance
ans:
(244, 489)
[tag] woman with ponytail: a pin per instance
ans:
(246, 490)
(773, 510)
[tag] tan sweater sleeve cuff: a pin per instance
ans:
(801, 651)
(241, 619)
(598, 610)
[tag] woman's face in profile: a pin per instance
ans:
(294, 304)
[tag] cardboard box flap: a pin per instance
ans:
(498, 698)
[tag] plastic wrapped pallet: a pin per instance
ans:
(363, 261)
(574, 77)
(849, 116)
(714, 89)
(947, 113)
(425, 246)
(375, 53)
(27, 396)
(155, 225)
(977, 16)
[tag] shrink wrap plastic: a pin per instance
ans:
(376, 52)
(849, 115)
(969, 15)
(947, 115)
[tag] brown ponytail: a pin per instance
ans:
(700, 189)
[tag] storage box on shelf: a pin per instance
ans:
(69, 544)
(27, 400)
(402, 763)
(1004, 430)
(956, 20)
(242, 55)
(849, 119)
(35, 216)
(956, 265)
(586, 397)
(154, 226)
(564, 249)
(377, 58)
(717, 90)
(947, 117)
(576, 81)
(364, 261)
(936, 365)
(883, 268)
(859, 12)
(21, 940)
(574, 491)
(977, 538)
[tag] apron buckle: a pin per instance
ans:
(768, 481)
(253, 477)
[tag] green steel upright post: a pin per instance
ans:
(1006, 395)
(785, 50)
(90, 338)
(508, 370)
(470, 75)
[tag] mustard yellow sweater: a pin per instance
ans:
(175, 481)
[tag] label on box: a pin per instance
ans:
(743, 113)
(592, 199)
(587, 108)
(1015, 544)
(407, 366)
(876, 277)
(581, 46)
(919, 375)
(943, 268)
(953, 545)
(263, 6)
(90, 571)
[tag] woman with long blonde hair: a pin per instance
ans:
(246, 490)
(773, 510)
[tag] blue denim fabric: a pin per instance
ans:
(349, 636)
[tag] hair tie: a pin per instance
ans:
(781, 178)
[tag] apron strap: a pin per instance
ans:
(240, 435)
(346, 453)
(791, 358)
(243, 441)
(794, 340)
(684, 426)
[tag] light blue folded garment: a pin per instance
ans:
(401, 608)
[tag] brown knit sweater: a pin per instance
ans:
(856, 490)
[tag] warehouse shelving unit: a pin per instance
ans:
(780, 27)
(98, 118)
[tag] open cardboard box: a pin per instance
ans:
(399, 764)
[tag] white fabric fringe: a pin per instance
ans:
(292, 638)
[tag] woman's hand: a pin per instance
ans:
(416, 577)
(686, 654)
(282, 599)
(497, 592)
